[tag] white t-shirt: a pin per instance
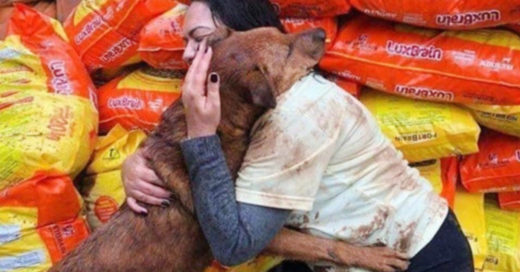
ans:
(321, 154)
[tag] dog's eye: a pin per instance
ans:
(256, 68)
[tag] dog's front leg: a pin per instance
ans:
(305, 247)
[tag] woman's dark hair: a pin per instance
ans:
(242, 15)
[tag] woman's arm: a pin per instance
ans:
(305, 247)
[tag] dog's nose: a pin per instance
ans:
(319, 35)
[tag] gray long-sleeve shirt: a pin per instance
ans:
(236, 231)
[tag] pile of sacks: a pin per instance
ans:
(442, 80)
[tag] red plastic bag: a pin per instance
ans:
(161, 44)
(106, 36)
(41, 215)
(311, 8)
(64, 72)
(480, 66)
(330, 25)
(496, 167)
(137, 101)
(509, 200)
(444, 14)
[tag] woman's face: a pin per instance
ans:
(198, 24)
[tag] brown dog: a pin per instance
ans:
(254, 67)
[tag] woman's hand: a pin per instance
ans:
(380, 259)
(141, 183)
(200, 95)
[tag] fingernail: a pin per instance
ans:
(213, 77)
(165, 203)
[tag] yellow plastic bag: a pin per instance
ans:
(102, 189)
(42, 131)
(503, 238)
(469, 209)
(442, 175)
(505, 119)
(423, 130)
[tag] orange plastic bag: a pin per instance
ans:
(480, 66)
(105, 32)
(40, 58)
(40, 222)
(443, 175)
(161, 44)
(444, 14)
(136, 101)
(329, 24)
(496, 167)
(311, 8)
(349, 86)
(509, 200)
(515, 28)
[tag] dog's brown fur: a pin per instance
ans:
(254, 67)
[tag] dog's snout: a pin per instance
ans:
(319, 35)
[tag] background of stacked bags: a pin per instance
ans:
(441, 77)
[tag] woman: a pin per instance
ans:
(319, 163)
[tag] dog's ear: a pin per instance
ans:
(221, 33)
(311, 43)
(263, 91)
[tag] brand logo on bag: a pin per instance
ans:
(468, 18)
(414, 51)
(88, 29)
(60, 81)
(125, 102)
(420, 92)
(116, 50)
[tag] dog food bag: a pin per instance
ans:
(347, 85)
(329, 24)
(39, 223)
(262, 263)
(443, 14)
(136, 101)
(102, 189)
(471, 67)
(514, 27)
(505, 119)
(311, 8)
(509, 201)
(105, 32)
(469, 209)
(43, 131)
(442, 174)
(496, 167)
(423, 130)
(37, 57)
(161, 44)
(503, 239)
